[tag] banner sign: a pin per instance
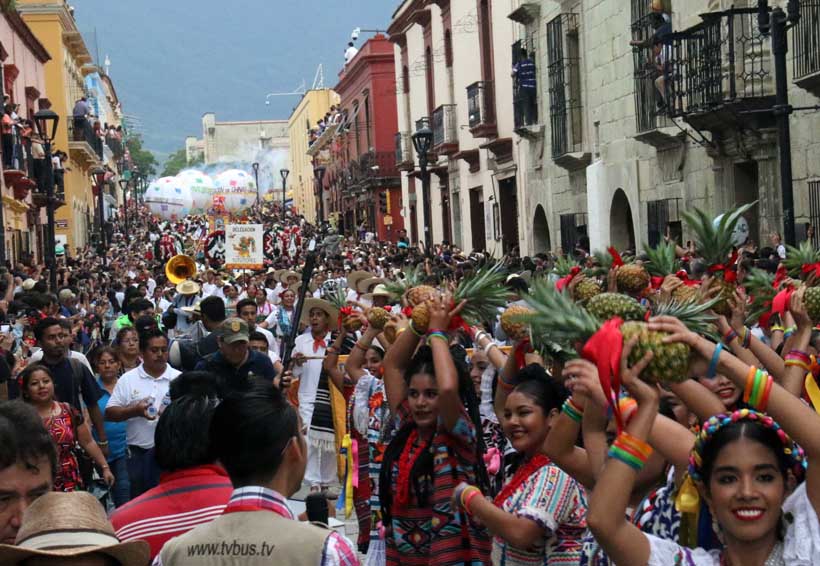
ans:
(244, 246)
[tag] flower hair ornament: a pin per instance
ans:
(711, 427)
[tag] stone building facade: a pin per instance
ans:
(226, 142)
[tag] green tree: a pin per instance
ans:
(142, 158)
(177, 161)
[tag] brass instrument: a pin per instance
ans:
(179, 268)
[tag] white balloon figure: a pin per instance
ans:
(239, 190)
(168, 199)
(201, 187)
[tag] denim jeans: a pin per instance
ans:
(143, 472)
(121, 492)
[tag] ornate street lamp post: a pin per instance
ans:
(46, 122)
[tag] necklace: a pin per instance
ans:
(775, 557)
(406, 462)
(521, 475)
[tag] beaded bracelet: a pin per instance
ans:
(572, 410)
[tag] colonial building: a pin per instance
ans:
(360, 188)
(23, 81)
(311, 108)
(453, 73)
(629, 134)
(226, 142)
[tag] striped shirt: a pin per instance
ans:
(181, 501)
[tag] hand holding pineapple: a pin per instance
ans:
(582, 379)
(798, 310)
(644, 393)
(441, 311)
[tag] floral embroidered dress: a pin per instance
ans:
(61, 429)
(436, 534)
(557, 503)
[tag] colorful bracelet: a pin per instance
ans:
(631, 451)
(437, 334)
(627, 440)
(710, 373)
(777, 328)
(799, 363)
(747, 337)
(798, 355)
(755, 387)
(572, 410)
(789, 331)
(763, 403)
(414, 331)
(749, 381)
(729, 337)
(468, 498)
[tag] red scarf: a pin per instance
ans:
(406, 462)
(521, 475)
(318, 343)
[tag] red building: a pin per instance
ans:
(362, 185)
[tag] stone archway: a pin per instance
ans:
(540, 231)
(621, 231)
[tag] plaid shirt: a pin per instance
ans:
(338, 551)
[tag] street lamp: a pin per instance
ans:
(284, 173)
(124, 186)
(422, 140)
(256, 176)
(46, 122)
(319, 173)
(98, 175)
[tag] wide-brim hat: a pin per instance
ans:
(192, 310)
(284, 274)
(314, 303)
(356, 276)
(365, 285)
(74, 524)
(188, 287)
(29, 284)
(379, 291)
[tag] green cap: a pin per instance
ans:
(234, 330)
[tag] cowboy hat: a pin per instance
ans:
(313, 303)
(365, 285)
(356, 276)
(379, 291)
(285, 273)
(192, 310)
(70, 525)
(188, 287)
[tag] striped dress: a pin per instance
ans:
(557, 504)
(436, 533)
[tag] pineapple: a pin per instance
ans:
(339, 299)
(484, 292)
(510, 324)
(663, 261)
(563, 266)
(759, 285)
(714, 244)
(413, 278)
(632, 278)
(796, 258)
(568, 324)
(608, 305)
(586, 289)
(377, 317)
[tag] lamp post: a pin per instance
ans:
(778, 23)
(124, 186)
(46, 122)
(256, 176)
(422, 140)
(319, 173)
(98, 175)
(284, 173)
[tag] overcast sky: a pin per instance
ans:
(174, 60)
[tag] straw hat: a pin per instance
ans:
(314, 303)
(188, 287)
(29, 284)
(62, 525)
(285, 273)
(379, 291)
(355, 277)
(365, 285)
(192, 310)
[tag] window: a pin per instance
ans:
(563, 74)
(573, 231)
(649, 104)
(814, 210)
(806, 38)
(663, 215)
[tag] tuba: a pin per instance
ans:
(179, 268)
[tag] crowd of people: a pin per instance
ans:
(465, 409)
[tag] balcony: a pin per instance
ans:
(720, 72)
(82, 141)
(481, 109)
(563, 75)
(806, 47)
(18, 167)
(404, 155)
(445, 130)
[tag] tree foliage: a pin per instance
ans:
(177, 161)
(142, 158)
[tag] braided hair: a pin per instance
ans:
(423, 468)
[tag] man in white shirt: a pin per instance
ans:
(247, 309)
(139, 397)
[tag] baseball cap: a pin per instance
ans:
(234, 330)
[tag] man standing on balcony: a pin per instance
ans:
(524, 75)
(80, 113)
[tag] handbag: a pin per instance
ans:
(84, 462)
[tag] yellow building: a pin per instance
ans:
(312, 108)
(54, 26)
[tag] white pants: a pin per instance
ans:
(321, 465)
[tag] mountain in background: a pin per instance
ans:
(174, 60)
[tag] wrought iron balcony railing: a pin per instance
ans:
(806, 46)
(563, 72)
(445, 129)
(81, 130)
(650, 110)
(481, 108)
(723, 61)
